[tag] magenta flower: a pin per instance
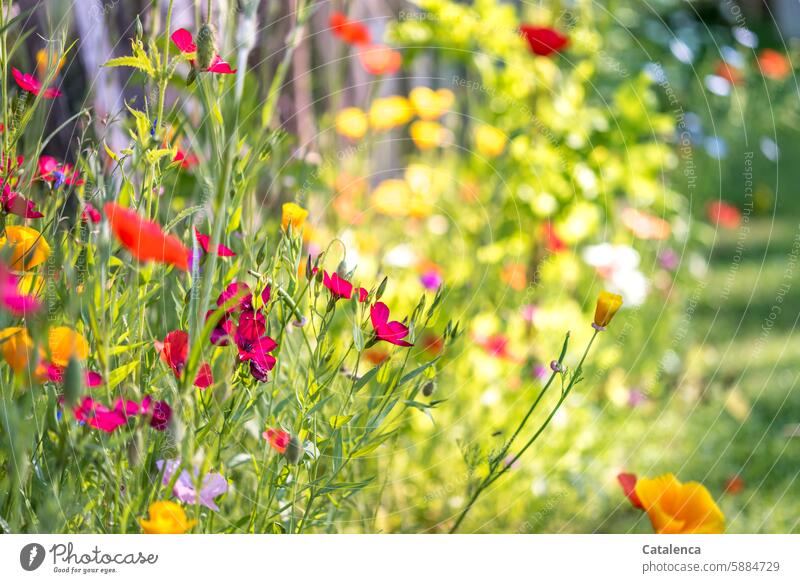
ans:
(431, 280)
(91, 214)
(95, 414)
(10, 297)
(161, 413)
(392, 332)
(31, 84)
(185, 42)
(213, 485)
(16, 204)
(236, 290)
(341, 288)
(55, 374)
(205, 243)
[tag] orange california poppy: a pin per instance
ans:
(145, 239)
(677, 508)
(379, 59)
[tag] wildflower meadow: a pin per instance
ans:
(429, 266)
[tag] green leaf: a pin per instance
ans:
(120, 374)
(337, 421)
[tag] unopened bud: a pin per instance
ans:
(294, 450)
(206, 45)
(139, 28)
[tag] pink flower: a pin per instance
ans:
(51, 170)
(161, 413)
(97, 415)
(431, 280)
(55, 374)
(31, 84)
(16, 204)
(213, 485)
(392, 332)
(185, 42)
(91, 214)
(175, 352)
(10, 297)
(341, 288)
(205, 243)
(254, 347)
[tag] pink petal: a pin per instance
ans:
(184, 41)
(220, 66)
(379, 315)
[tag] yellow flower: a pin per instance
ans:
(607, 306)
(28, 247)
(293, 214)
(427, 134)
(389, 112)
(352, 123)
(392, 197)
(65, 343)
(489, 141)
(430, 104)
(17, 348)
(676, 508)
(30, 284)
(166, 517)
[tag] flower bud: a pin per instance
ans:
(206, 45)
(294, 450)
(139, 28)
(73, 381)
(428, 388)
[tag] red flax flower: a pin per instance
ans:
(542, 40)
(185, 42)
(278, 439)
(351, 32)
(175, 352)
(144, 239)
(31, 84)
(16, 204)
(724, 215)
(341, 288)
(392, 332)
(205, 243)
(379, 59)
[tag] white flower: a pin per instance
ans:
(619, 266)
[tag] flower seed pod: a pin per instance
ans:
(73, 381)
(294, 450)
(135, 449)
(428, 388)
(206, 46)
(139, 28)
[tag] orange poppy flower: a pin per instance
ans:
(379, 59)
(773, 64)
(64, 343)
(145, 239)
(730, 74)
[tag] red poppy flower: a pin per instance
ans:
(379, 59)
(341, 288)
(734, 485)
(175, 352)
(31, 84)
(205, 243)
(389, 331)
(724, 215)
(187, 160)
(552, 240)
(278, 439)
(144, 239)
(542, 40)
(628, 483)
(774, 65)
(350, 31)
(16, 204)
(496, 345)
(185, 42)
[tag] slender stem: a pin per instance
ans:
(491, 477)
